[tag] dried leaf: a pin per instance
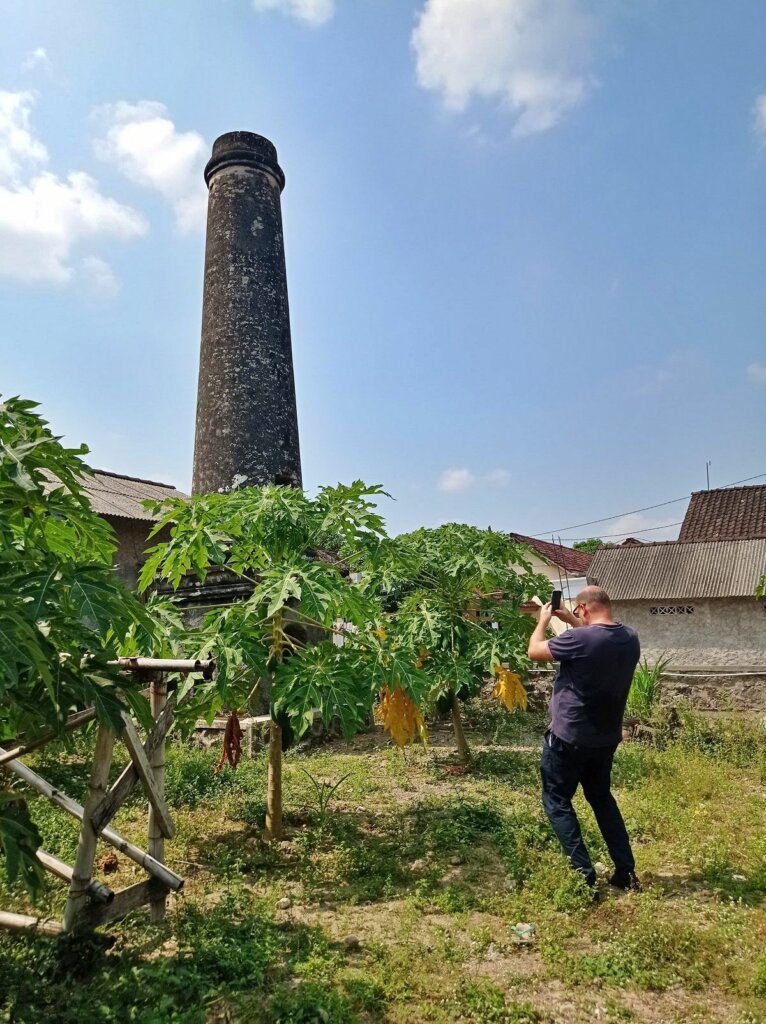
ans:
(509, 689)
(401, 717)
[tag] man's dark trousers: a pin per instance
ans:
(562, 768)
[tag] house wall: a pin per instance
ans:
(718, 634)
(132, 541)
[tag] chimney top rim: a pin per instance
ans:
(244, 149)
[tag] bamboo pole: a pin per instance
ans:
(96, 890)
(158, 698)
(66, 803)
(147, 774)
(21, 922)
(82, 874)
(75, 721)
(205, 665)
(122, 788)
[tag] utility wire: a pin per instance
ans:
(647, 508)
(636, 533)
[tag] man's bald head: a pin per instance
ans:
(595, 598)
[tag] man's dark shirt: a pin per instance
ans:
(595, 672)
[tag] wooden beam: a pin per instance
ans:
(82, 874)
(145, 772)
(96, 890)
(66, 803)
(75, 721)
(20, 922)
(122, 788)
(126, 900)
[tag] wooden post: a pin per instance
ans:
(82, 873)
(158, 698)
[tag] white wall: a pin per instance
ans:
(724, 633)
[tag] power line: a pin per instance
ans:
(636, 533)
(576, 526)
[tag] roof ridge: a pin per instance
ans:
(739, 487)
(135, 479)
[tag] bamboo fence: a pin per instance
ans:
(91, 903)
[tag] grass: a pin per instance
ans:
(645, 688)
(428, 869)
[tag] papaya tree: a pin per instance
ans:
(63, 611)
(454, 594)
(303, 635)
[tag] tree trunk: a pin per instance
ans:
(274, 791)
(457, 724)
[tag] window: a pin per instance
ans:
(672, 609)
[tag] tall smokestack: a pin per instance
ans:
(247, 422)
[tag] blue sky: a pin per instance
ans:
(525, 240)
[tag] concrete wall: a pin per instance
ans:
(715, 634)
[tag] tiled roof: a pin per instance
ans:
(112, 494)
(672, 570)
(729, 513)
(576, 562)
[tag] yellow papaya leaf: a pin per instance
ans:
(381, 634)
(509, 689)
(400, 716)
(422, 658)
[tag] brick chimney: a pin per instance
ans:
(247, 422)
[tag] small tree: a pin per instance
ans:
(281, 637)
(62, 608)
(591, 545)
(454, 595)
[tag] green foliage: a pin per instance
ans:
(454, 594)
(591, 545)
(281, 635)
(63, 611)
(482, 1002)
(645, 688)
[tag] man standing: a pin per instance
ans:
(597, 659)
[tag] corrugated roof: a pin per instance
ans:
(576, 562)
(112, 494)
(728, 513)
(676, 571)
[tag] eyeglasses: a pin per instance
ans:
(577, 608)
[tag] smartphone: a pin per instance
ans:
(556, 600)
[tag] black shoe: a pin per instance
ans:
(625, 880)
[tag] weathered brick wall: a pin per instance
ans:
(132, 541)
(724, 634)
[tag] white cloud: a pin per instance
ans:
(99, 277)
(759, 118)
(756, 373)
(499, 477)
(18, 145)
(454, 480)
(144, 144)
(534, 55)
(42, 216)
(37, 60)
(41, 221)
(312, 12)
